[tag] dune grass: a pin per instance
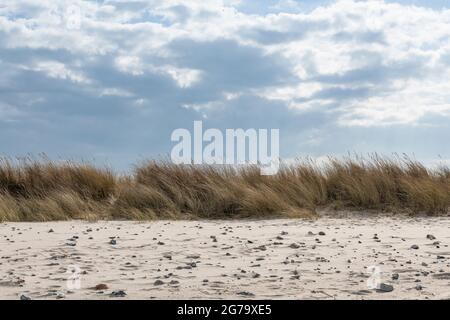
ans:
(42, 190)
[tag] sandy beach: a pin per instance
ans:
(327, 258)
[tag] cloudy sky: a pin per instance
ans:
(110, 80)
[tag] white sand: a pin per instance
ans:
(35, 262)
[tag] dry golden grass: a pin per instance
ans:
(42, 190)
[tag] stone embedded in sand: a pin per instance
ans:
(415, 247)
(113, 242)
(321, 233)
(383, 287)
(50, 231)
(245, 293)
(101, 286)
(395, 276)
(418, 287)
(430, 237)
(294, 246)
(23, 296)
(158, 282)
(118, 293)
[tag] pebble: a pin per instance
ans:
(246, 293)
(101, 286)
(385, 288)
(118, 293)
(60, 295)
(24, 297)
(158, 282)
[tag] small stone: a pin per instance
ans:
(113, 242)
(118, 293)
(415, 247)
(383, 287)
(395, 276)
(50, 231)
(60, 295)
(321, 233)
(430, 237)
(101, 286)
(158, 282)
(246, 293)
(23, 296)
(294, 246)
(418, 287)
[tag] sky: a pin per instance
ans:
(108, 81)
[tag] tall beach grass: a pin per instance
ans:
(42, 190)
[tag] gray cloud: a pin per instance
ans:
(329, 83)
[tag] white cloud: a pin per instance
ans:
(372, 63)
(116, 92)
(184, 77)
(58, 70)
(130, 64)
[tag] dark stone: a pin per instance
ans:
(385, 288)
